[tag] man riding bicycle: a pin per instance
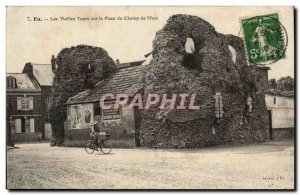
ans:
(100, 140)
(95, 133)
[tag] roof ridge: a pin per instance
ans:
(41, 64)
(15, 73)
(132, 62)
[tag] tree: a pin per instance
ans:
(285, 83)
(79, 68)
(272, 84)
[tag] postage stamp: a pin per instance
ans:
(265, 39)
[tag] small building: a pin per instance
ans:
(24, 113)
(281, 110)
(84, 109)
(43, 75)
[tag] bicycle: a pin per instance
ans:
(104, 144)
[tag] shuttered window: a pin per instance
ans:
(29, 125)
(25, 103)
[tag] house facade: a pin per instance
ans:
(24, 113)
(281, 110)
(43, 75)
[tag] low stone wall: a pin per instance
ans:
(26, 137)
(282, 133)
(119, 138)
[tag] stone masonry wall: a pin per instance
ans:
(211, 68)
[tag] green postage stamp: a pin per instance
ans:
(265, 39)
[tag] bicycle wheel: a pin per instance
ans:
(105, 146)
(89, 147)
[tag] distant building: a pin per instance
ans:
(25, 113)
(43, 75)
(281, 109)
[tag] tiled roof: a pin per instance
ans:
(124, 81)
(280, 93)
(43, 73)
(23, 81)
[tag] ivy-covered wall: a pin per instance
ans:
(217, 65)
(79, 68)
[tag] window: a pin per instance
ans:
(97, 109)
(24, 125)
(25, 103)
(47, 101)
(274, 100)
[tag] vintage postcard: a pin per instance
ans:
(115, 98)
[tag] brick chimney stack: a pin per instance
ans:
(53, 63)
(28, 68)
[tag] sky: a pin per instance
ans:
(127, 40)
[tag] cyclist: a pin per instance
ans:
(96, 131)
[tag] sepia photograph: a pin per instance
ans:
(150, 98)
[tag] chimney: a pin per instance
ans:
(117, 62)
(28, 69)
(53, 63)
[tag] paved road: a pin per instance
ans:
(268, 165)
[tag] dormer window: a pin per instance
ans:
(11, 82)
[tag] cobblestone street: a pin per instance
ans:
(39, 166)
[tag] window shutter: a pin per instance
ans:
(32, 125)
(18, 103)
(18, 125)
(30, 103)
